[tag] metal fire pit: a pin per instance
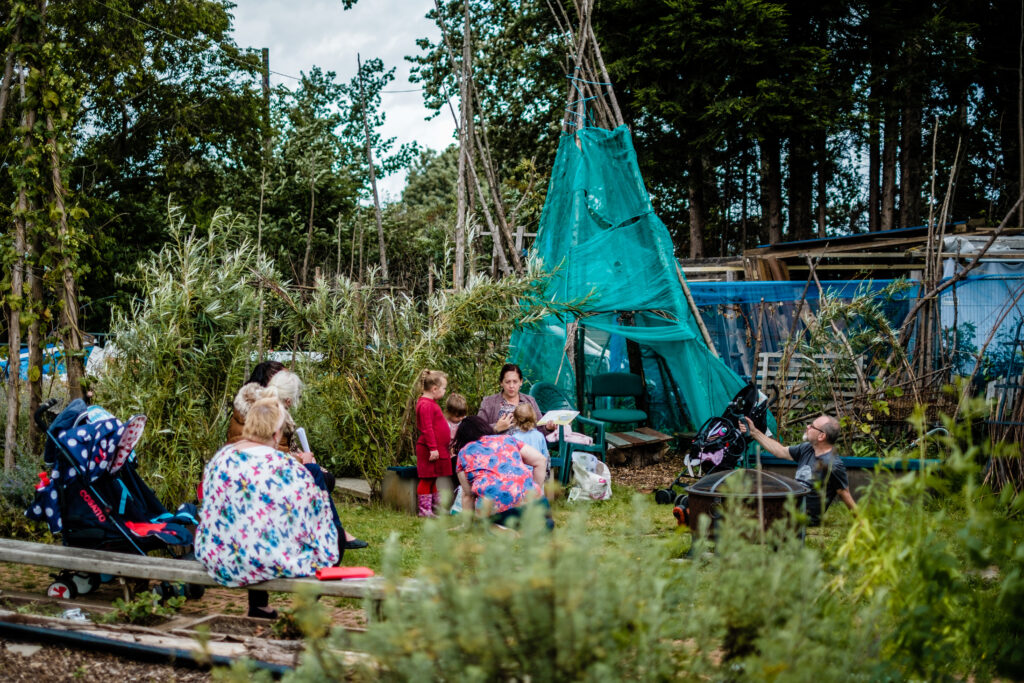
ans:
(706, 497)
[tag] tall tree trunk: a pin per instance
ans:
(22, 226)
(887, 216)
(70, 331)
(874, 160)
(824, 175)
(309, 228)
(8, 78)
(1020, 114)
(771, 189)
(744, 196)
(800, 183)
(33, 271)
(910, 167)
(698, 211)
(461, 185)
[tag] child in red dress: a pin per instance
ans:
(433, 459)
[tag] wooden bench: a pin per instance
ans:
(124, 565)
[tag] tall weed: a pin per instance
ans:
(940, 557)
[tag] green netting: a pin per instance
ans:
(600, 234)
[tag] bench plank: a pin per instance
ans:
(168, 569)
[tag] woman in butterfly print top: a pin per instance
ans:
(263, 516)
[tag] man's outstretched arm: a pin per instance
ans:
(767, 442)
(844, 495)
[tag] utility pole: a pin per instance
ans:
(263, 188)
(373, 177)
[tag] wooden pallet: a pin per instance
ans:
(800, 372)
(639, 445)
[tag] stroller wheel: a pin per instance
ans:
(663, 496)
(682, 516)
(167, 590)
(62, 589)
(194, 591)
(68, 585)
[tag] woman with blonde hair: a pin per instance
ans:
(263, 515)
(287, 386)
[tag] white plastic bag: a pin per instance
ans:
(456, 501)
(592, 479)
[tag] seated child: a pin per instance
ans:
(524, 428)
(455, 410)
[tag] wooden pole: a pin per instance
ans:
(263, 189)
(373, 176)
(696, 312)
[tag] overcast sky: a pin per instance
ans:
(306, 33)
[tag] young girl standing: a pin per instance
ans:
(432, 457)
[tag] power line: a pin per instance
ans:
(222, 50)
(171, 35)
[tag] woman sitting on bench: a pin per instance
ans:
(263, 515)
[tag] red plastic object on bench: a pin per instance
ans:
(332, 573)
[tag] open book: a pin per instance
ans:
(558, 417)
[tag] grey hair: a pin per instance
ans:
(831, 429)
(288, 386)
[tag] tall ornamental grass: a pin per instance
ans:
(182, 348)
(375, 342)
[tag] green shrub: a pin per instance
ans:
(17, 490)
(939, 556)
(534, 606)
(147, 608)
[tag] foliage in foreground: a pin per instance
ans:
(147, 608)
(926, 584)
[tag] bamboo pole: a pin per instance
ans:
(696, 312)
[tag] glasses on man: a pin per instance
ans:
(816, 428)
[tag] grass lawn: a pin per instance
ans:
(621, 524)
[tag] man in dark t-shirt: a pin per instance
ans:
(817, 464)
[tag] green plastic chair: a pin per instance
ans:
(550, 397)
(616, 385)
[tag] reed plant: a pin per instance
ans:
(375, 342)
(182, 348)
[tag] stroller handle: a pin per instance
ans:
(41, 411)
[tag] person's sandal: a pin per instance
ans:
(356, 544)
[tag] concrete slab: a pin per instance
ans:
(356, 488)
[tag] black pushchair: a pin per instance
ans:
(718, 445)
(94, 498)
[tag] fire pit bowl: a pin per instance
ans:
(707, 496)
